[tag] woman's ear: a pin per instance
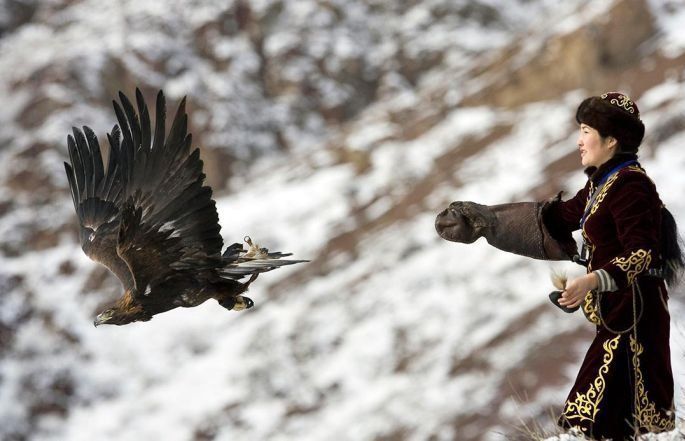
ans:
(612, 142)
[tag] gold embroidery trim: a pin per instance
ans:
(622, 101)
(585, 406)
(636, 168)
(590, 308)
(633, 265)
(646, 414)
(602, 194)
(603, 191)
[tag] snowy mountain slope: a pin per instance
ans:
(389, 333)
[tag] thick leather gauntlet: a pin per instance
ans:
(516, 228)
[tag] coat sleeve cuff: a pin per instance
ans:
(606, 283)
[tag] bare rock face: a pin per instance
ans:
(629, 25)
(593, 56)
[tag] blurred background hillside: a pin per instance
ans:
(335, 130)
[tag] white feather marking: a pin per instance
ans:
(559, 280)
(170, 226)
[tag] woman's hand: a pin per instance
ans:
(576, 290)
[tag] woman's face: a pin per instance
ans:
(594, 151)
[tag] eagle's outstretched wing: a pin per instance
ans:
(169, 223)
(97, 194)
(153, 189)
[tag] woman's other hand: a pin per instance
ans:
(577, 288)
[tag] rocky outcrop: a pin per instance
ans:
(596, 56)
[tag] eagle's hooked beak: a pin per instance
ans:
(102, 318)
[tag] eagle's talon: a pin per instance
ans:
(237, 303)
(242, 302)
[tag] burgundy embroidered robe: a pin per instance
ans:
(625, 383)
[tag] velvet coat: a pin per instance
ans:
(625, 383)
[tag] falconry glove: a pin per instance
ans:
(516, 228)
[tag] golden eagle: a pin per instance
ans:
(150, 220)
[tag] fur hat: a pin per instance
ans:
(613, 114)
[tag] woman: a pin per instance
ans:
(630, 248)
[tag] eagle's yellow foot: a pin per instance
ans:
(237, 303)
(242, 302)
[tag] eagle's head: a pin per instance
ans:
(122, 313)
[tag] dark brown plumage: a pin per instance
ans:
(150, 220)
